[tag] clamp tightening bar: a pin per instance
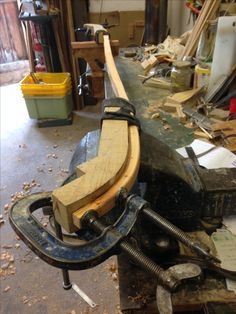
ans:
(166, 279)
(165, 225)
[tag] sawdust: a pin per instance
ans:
(7, 261)
(27, 188)
(54, 156)
(153, 107)
(139, 298)
(112, 267)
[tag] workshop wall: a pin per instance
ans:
(178, 20)
(131, 17)
(129, 25)
(123, 5)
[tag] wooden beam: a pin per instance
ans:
(91, 44)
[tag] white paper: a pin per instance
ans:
(230, 223)
(215, 157)
(225, 243)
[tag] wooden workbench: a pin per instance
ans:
(137, 288)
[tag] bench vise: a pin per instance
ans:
(170, 193)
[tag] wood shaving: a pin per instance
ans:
(5, 265)
(2, 221)
(7, 289)
(40, 169)
(65, 170)
(52, 156)
(166, 126)
(112, 267)
(22, 146)
(7, 246)
(155, 115)
(6, 207)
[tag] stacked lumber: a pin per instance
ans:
(207, 13)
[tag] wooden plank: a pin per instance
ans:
(91, 44)
(208, 12)
(183, 97)
(29, 47)
(74, 62)
(114, 77)
(55, 26)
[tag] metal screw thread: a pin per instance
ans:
(164, 278)
(97, 226)
(171, 229)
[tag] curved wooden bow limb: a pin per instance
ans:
(115, 166)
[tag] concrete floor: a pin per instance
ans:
(29, 285)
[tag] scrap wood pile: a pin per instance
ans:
(199, 69)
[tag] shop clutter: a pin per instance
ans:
(199, 69)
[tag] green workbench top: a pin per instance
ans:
(177, 135)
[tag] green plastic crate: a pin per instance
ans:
(44, 107)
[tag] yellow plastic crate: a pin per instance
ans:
(53, 84)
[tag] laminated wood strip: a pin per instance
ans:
(106, 201)
(101, 178)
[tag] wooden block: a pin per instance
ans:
(182, 117)
(145, 64)
(228, 125)
(183, 97)
(200, 134)
(170, 107)
(107, 200)
(219, 114)
(96, 175)
(149, 63)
